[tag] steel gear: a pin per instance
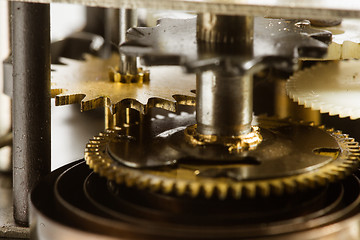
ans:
(345, 40)
(338, 158)
(276, 43)
(88, 82)
(332, 88)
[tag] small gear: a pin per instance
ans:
(345, 40)
(332, 88)
(314, 156)
(88, 82)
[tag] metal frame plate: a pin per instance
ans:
(275, 8)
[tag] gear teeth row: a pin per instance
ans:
(87, 82)
(328, 87)
(160, 181)
(345, 40)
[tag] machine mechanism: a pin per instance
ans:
(200, 140)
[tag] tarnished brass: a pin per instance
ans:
(235, 144)
(276, 166)
(143, 76)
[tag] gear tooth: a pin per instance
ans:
(289, 185)
(96, 165)
(250, 189)
(330, 130)
(322, 179)
(167, 187)
(194, 189)
(318, 181)
(91, 150)
(300, 183)
(338, 132)
(332, 176)
(89, 162)
(143, 182)
(103, 170)
(353, 151)
(110, 131)
(91, 145)
(355, 156)
(352, 160)
(98, 138)
(263, 189)
(222, 190)
(236, 190)
(208, 189)
(155, 184)
(277, 187)
(180, 187)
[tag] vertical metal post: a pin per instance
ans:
(5, 101)
(31, 101)
(224, 102)
(224, 105)
(128, 19)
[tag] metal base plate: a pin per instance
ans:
(9, 229)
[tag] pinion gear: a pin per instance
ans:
(87, 82)
(337, 159)
(332, 88)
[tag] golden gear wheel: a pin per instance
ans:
(87, 82)
(332, 88)
(345, 40)
(185, 178)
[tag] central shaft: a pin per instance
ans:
(224, 100)
(224, 104)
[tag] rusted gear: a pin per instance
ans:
(329, 87)
(262, 172)
(88, 82)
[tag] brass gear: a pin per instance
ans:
(88, 82)
(345, 40)
(329, 87)
(185, 178)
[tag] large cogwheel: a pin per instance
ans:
(88, 82)
(332, 88)
(292, 157)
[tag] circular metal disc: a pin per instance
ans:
(290, 158)
(73, 202)
(332, 88)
